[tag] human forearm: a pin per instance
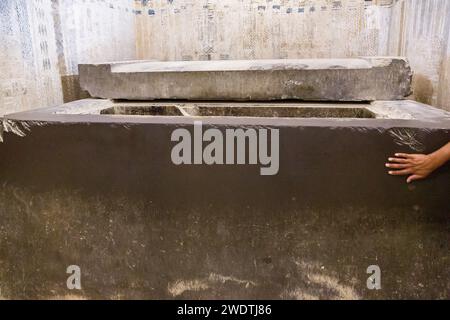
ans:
(441, 156)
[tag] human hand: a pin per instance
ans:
(415, 166)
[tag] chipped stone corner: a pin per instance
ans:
(1, 131)
(19, 128)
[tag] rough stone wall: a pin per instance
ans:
(257, 29)
(419, 30)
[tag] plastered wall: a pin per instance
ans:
(29, 75)
(257, 29)
(420, 30)
(444, 81)
(42, 42)
(90, 32)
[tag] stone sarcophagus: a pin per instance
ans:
(95, 184)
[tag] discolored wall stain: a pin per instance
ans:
(71, 88)
(423, 89)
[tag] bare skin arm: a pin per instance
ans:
(418, 166)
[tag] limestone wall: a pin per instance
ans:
(42, 42)
(29, 75)
(419, 30)
(257, 29)
(91, 32)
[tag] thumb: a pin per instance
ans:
(413, 177)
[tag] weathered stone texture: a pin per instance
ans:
(363, 79)
(101, 192)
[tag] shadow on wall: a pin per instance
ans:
(423, 89)
(71, 89)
